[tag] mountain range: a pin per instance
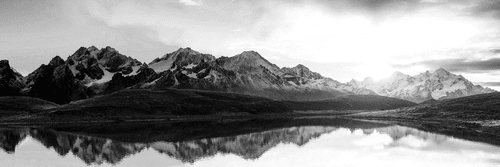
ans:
(91, 71)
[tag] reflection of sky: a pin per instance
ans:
(338, 148)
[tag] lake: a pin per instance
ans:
(294, 142)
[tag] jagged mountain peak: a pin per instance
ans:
(301, 71)
(179, 52)
(188, 50)
(441, 69)
(250, 53)
(11, 82)
(441, 72)
(7, 70)
(4, 64)
(301, 66)
(180, 58)
(106, 49)
(249, 59)
(56, 61)
(93, 48)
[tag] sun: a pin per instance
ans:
(375, 71)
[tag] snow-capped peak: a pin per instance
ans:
(180, 58)
(442, 72)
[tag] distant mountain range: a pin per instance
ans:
(438, 85)
(92, 71)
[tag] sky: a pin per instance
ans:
(342, 39)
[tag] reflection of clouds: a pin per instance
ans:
(375, 140)
(332, 146)
(412, 142)
(391, 146)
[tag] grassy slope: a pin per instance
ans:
(15, 105)
(195, 102)
(352, 102)
(170, 102)
(470, 108)
(474, 117)
(146, 104)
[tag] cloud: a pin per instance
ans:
(495, 51)
(191, 2)
(459, 65)
(368, 33)
(494, 84)
(487, 8)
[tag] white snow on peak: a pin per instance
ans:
(135, 70)
(109, 75)
(105, 78)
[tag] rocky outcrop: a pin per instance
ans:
(64, 81)
(440, 84)
(55, 82)
(183, 57)
(11, 82)
(92, 65)
(119, 81)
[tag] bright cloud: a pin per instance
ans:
(191, 2)
(342, 39)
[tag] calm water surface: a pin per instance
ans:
(279, 144)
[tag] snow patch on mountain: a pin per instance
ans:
(161, 66)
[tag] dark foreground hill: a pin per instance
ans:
(170, 102)
(474, 117)
(16, 105)
(352, 102)
(146, 104)
(471, 108)
(195, 102)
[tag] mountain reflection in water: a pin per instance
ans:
(285, 144)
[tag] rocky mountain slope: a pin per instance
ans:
(438, 85)
(246, 73)
(11, 82)
(62, 81)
